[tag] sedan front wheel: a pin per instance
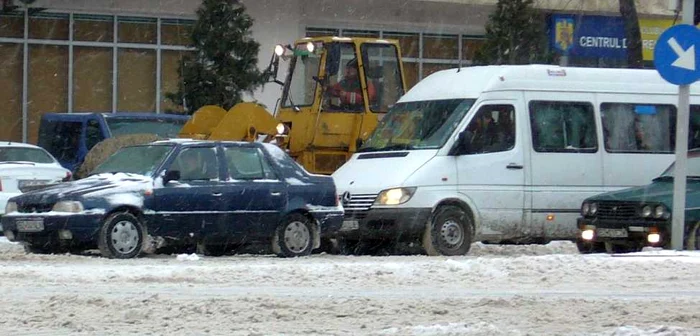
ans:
(122, 236)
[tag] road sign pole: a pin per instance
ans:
(681, 167)
(680, 172)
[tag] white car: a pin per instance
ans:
(24, 167)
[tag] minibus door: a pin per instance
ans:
(491, 169)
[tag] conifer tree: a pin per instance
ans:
(224, 64)
(515, 34)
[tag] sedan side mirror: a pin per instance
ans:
(171, 175)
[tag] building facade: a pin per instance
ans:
(122, 56)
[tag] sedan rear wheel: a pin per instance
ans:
(293, 237)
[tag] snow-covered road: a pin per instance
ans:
(495, 290)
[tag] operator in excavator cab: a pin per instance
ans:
(349, 91)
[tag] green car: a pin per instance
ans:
(628, 220)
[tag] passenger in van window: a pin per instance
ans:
(482, 134)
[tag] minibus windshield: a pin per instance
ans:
(418, 125)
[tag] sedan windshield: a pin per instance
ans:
(14, 154)
(418, 125)
(141, 160)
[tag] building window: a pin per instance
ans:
(93, 28)
(427, 51)
(91, 69)
(12, 25)
(49, 26)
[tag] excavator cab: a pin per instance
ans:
(336, 91)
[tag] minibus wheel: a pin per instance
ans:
(449, 232)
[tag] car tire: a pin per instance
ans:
(692, 238)
(449, 232)
(293, 237)
(122, 236)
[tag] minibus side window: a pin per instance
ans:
(638, 128)
(694, 129)
(563, 127)
(491, 130)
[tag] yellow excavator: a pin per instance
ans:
(336, 91)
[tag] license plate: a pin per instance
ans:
(350, 225)
(612, 233)
(34, 225)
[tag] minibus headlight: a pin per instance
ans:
(395, 196)
(585, 209)
(646, 211)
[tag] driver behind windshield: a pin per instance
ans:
(349, 91)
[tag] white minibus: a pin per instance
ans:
(506, 154)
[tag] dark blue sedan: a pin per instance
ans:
(177, 193)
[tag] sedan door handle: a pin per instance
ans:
(217, 194)
(275, 193)
(514, 166)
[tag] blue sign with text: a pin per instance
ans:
(589, 36)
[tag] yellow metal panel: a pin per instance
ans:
(202, 122)
(244, 122)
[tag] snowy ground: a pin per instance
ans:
(496, 290)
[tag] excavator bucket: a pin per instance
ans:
(202, 123)
(244, 122)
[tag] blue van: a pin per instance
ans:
(69, 136)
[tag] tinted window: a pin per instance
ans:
(24, 154)
(492, 129)
(93, 133)
(638, 128)
(197, 163)
(160, 127)
(382, 73)
(245, 163)
(563, 127)
(61, 139)
(302, 86)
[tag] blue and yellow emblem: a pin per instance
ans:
(564, 34)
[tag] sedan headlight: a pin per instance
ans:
(68, 206)
(660, 212)
(395, 196)
(10, 207)
(585, 209)
(594, 209)
(646, 211)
